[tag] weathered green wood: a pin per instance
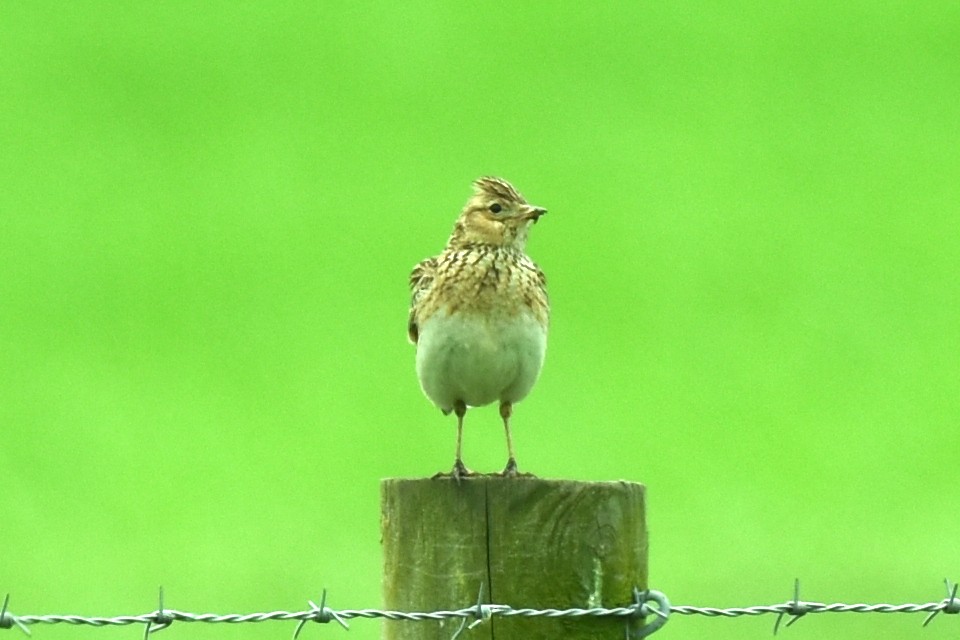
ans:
(532, 543)
(435, 551)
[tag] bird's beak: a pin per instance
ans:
(533, 213)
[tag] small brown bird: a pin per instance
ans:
(479, 311)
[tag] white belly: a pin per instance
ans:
(479, 360)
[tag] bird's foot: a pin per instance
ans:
(510, 471)
(458, 473)
(460, 470)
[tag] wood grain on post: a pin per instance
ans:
(531, 543)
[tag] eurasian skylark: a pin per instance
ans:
(479, 311)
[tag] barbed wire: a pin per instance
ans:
(646, 603)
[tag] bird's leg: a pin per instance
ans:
(506, 410)
(459, 470)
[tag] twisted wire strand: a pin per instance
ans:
(795, 608)
(810, 607)
(501, 610)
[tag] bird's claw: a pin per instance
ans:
(510, 471)
(460, 470)
(458, 473)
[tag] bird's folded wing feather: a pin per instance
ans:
(542, 281)
(421, 279)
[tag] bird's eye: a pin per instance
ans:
(496, 208)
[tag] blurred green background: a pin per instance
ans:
(207, 218)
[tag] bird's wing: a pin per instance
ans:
(541, 280)
(544, 297)
(421, 279)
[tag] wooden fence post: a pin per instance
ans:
(531, 543)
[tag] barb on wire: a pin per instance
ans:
(950, 605)
(481, 612)
(160, 618)
(323, 614)
(795, 610)
(7, 619)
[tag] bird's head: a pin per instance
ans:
(495, 215)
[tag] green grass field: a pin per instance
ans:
(207, 218)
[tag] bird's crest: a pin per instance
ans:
(498, 188)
